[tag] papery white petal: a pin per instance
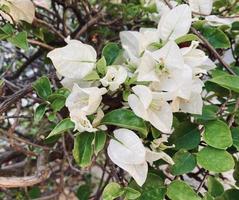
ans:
(115, 76)
(170, 55)
(85, 100)
(192, 56)
(95, 98)
(201, 6)
(132, 41)
(144, 94)
(152, 156)
(161, 118)
(128, 149)
(146, 69)
(137, 106)
(81, 122)
(43, 3)
(138, 172)
(214, 20)
(194, 105)
(21, 10)
(75, 60)
(179, 82)
(175, 23)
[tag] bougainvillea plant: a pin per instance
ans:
(140, 100)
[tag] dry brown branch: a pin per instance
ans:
(42, 173)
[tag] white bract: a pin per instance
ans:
(155, 65)
(196, 58)
(201, 6)
(115, 76)
(19, 10)
(75, 60)
(214, 20)
(193, 103)
(151, 107)
(128, 152)
(82, 102)
(135, 43)
(175, 23)
(43, 3)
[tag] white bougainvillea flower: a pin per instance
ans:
(86, 100)
(19, 10)
(193, 104)
(154, 65)
(175, 23)
(214, 20)
(151, 107)
(75, 60)
(82, 123)
(82, 102)
(115, 76)
(163, 8)
(43, 3)
(134, 43)
(201, 6)
(196, 59)
(128, 152)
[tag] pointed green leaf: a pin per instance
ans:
(83, 149)
(43, 87)
(126, 119)
(64, 125)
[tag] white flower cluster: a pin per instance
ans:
(167, 81)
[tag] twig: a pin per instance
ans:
(41, 175)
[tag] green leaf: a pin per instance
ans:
(184, 162)
(101, 66)
(208, 197)
(111, 51)
(217, 134)
(39, 112)
(91, 76)
(64, 125)
(100, 139)
(130, 193)
(43, 87)
(6, 31)
(230, 82)
(235, 137)
(20, 40)
(231, 194)
(186, 136)
(57, 101)
(235, 26)
(153, 188)
(216, 37)
(112, 191)
(34, 192)
(215, 188)
(83, 149)
(179, 190)
(126, 119)
(209, 112)
(215, 160)
(186, 38)
(83, 192)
